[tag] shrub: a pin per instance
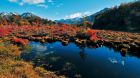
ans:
(10, 51)
(92, 34)
(3, 32)
(13, 68)
(20, 41)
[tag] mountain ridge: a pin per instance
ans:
(27, 18)
(79, 20)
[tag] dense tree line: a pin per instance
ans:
(125, 17)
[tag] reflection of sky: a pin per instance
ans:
(38, 47)
(99, 61)
(115, 61)
(104, 58)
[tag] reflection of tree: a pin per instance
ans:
(123, 61)
(82, 53)
(123, 54)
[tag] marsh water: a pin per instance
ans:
(83, 62)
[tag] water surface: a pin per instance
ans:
(84, 62)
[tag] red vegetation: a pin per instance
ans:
(4, 31)
(92, 34)
(16, 33)
(29, 31)
(20, 41)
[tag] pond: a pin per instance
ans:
(83, 62)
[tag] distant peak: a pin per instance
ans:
(13, 13)
(28, 14)
(8, 13)
(4, 13)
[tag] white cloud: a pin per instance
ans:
(87, 13)
(73, 15)
(13, 0)
(33, 1)
(78, 14)
(43, 5)
(39, 3)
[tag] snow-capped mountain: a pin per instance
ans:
(28, 14)
(8, 13)
(23, 19)
(70, 21)
(79, 20)
(3, 13)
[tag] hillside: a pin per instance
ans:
(79, 20)
(23, 19)
(125, 17)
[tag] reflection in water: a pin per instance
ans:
(82, 53)
(102, 63)
(54, 58)
(68, 66)
(113, 60)
(123, 54)
(51, 52)
(123, 61)
(69, 69)
(38, 47)
(51, 47)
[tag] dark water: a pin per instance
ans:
(76, 62)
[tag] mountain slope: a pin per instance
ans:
(23, 19)
(125, 17)
(79, 20)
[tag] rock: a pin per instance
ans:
(42, 41)
(125, 50)
(80, 41)
(65, 42)
(124, 46)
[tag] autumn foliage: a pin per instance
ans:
(92, 34)
(4, 31)
(20, 41)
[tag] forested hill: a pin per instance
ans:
(125, 17)
(23, 19)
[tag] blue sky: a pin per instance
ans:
(58, 9)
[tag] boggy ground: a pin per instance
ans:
(18, 37)
(11, 66)
(120, 41)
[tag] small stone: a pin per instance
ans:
(124, 50)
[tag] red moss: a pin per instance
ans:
(3, 32)
(92, 34)
(20, 40)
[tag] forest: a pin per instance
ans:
(125, 17)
